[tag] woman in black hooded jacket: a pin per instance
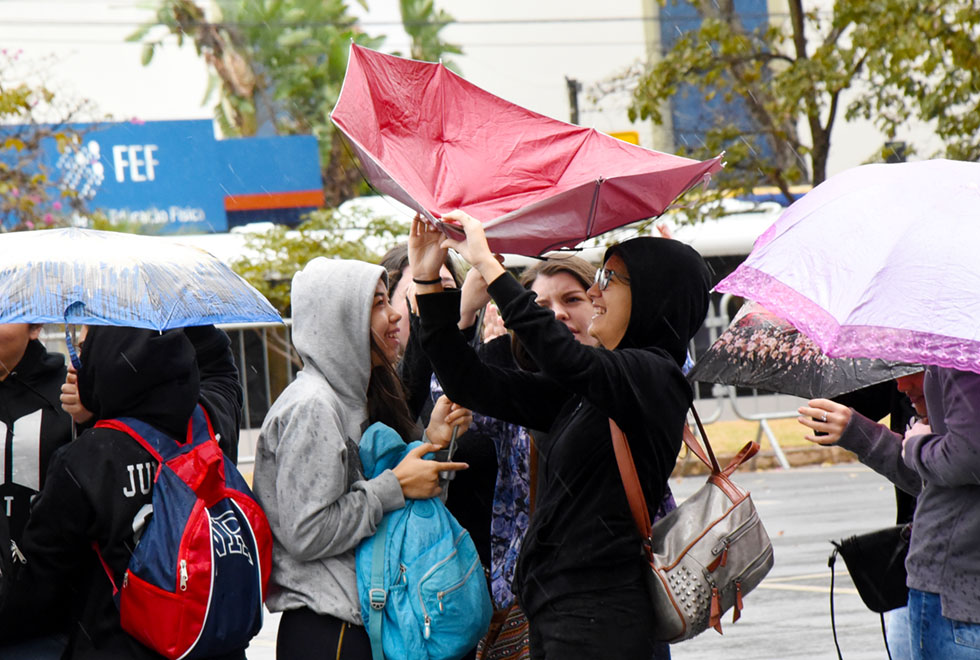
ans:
(97, 483)
(580, 574)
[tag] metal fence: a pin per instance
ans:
(267, 363)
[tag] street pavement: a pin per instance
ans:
(788, 615)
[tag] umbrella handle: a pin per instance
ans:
(69, 342)
(477, 334)
(449, 475)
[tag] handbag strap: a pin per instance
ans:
(631, 481)
(707, 455)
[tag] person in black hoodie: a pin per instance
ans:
(97, 484)
(580, 574)
(32, 426)
(32, 423)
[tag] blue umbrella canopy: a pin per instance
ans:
(90, 277)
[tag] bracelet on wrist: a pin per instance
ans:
(437, 280)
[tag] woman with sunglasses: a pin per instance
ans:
(580, 578)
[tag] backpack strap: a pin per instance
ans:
(105, 567)
(631, 482)
(155, 443)
(132, 428)
(160, 445)
(377, 595)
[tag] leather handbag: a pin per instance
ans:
(705, 555)
(876, 562)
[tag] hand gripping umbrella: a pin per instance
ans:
(878, 261)
(83, 276)
(437, 143)
(761, 350)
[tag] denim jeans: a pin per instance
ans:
(934, 637)
(897, 633)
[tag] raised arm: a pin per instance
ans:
(509, 394)
(521, 397)
(875, 445)
(614, 381)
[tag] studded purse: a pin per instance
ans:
(705, 555)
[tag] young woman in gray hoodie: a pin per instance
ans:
(307, 473)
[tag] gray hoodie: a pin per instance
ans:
(307, 473)
(943, 469)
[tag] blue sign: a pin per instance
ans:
(175, 177)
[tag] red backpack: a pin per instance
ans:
(196, 581)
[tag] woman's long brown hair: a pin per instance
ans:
(386, 401)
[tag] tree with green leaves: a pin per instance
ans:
(274, 256)
(278, 66)
(423, 23)
(888, 61)
(34, 193)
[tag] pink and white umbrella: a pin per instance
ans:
(879, 261)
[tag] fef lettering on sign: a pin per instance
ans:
(226, 532)
(137, 159)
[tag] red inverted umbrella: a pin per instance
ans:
(437, 143)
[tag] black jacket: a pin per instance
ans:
(581, 536)
(32, 427)
(98, 483)
(470, 493)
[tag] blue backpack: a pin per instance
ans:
(422, 588)
(196, 580)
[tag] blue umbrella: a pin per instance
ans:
(84, 276)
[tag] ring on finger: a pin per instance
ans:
(824, 418)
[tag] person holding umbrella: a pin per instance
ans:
(580, 574)
(940, 463)
(97, 484)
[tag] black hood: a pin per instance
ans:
(131, 372)
(38, 368)
(669, 284)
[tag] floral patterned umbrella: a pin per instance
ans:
(762, 350)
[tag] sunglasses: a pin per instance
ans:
(604, 275)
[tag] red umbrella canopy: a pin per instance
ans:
(437, 143)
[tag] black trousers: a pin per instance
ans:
(306, 635)
(609, 623)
